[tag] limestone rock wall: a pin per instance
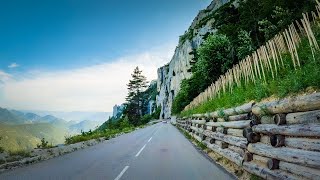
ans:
(179, 68)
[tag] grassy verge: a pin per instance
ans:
(288, 82)
(107, 134)
(21, 153)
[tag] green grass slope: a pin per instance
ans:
(289, 82)
(27, 136)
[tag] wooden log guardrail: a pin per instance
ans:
(274, 140)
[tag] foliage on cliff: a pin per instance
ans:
(214, 59)
(289, 81)
(245, 24)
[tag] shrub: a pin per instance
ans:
(22, 153)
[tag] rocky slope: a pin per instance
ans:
(179, 68)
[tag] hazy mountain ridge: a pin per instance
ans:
(22, 129)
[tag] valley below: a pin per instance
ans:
(24, 130)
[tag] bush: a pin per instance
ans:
(146, 118)
(44, 144)
(22, 153)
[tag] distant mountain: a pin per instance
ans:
(22, 129)
(8, 117)
(32, 116)
(27, 117)
(85, 125)
(76, 115)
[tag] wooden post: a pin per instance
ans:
(232, 124)
(277, 140)
(237, 141)
(279, 119)
(273, 164)
(303, 143)
(227, 153)
(248, 156)
(221, 130)
(246, 131)
(221, 144)
(267, 173)
(306, 130)
(237, 149)
(302, 157)
(235, 132)
(253, 137)
(303, 117)
(302, 171)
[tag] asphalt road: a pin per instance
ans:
(159, 152)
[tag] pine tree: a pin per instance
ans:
(134, 99)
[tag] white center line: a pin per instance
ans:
(122, 172)
(140, 150)
(149, 139)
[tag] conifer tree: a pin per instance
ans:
(134, 99)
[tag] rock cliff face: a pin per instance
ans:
(179, 68)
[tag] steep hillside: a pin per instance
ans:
(26, 136)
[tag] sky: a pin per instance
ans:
(77, 55)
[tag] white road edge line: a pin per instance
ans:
(149, 139)
(140, 150)
(122, 172)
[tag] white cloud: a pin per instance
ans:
(94, 88)
(4, 77)
(13, 65)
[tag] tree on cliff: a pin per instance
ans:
(134, 99)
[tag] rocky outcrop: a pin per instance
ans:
(179, 68)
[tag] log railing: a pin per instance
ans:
(274, 140)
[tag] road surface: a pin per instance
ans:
(159, 152)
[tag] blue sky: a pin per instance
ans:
(42, 39)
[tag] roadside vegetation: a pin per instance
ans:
(135, 114)
(21, 153)
(288, 82)
(237, 38)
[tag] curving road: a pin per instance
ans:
(159, 152)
